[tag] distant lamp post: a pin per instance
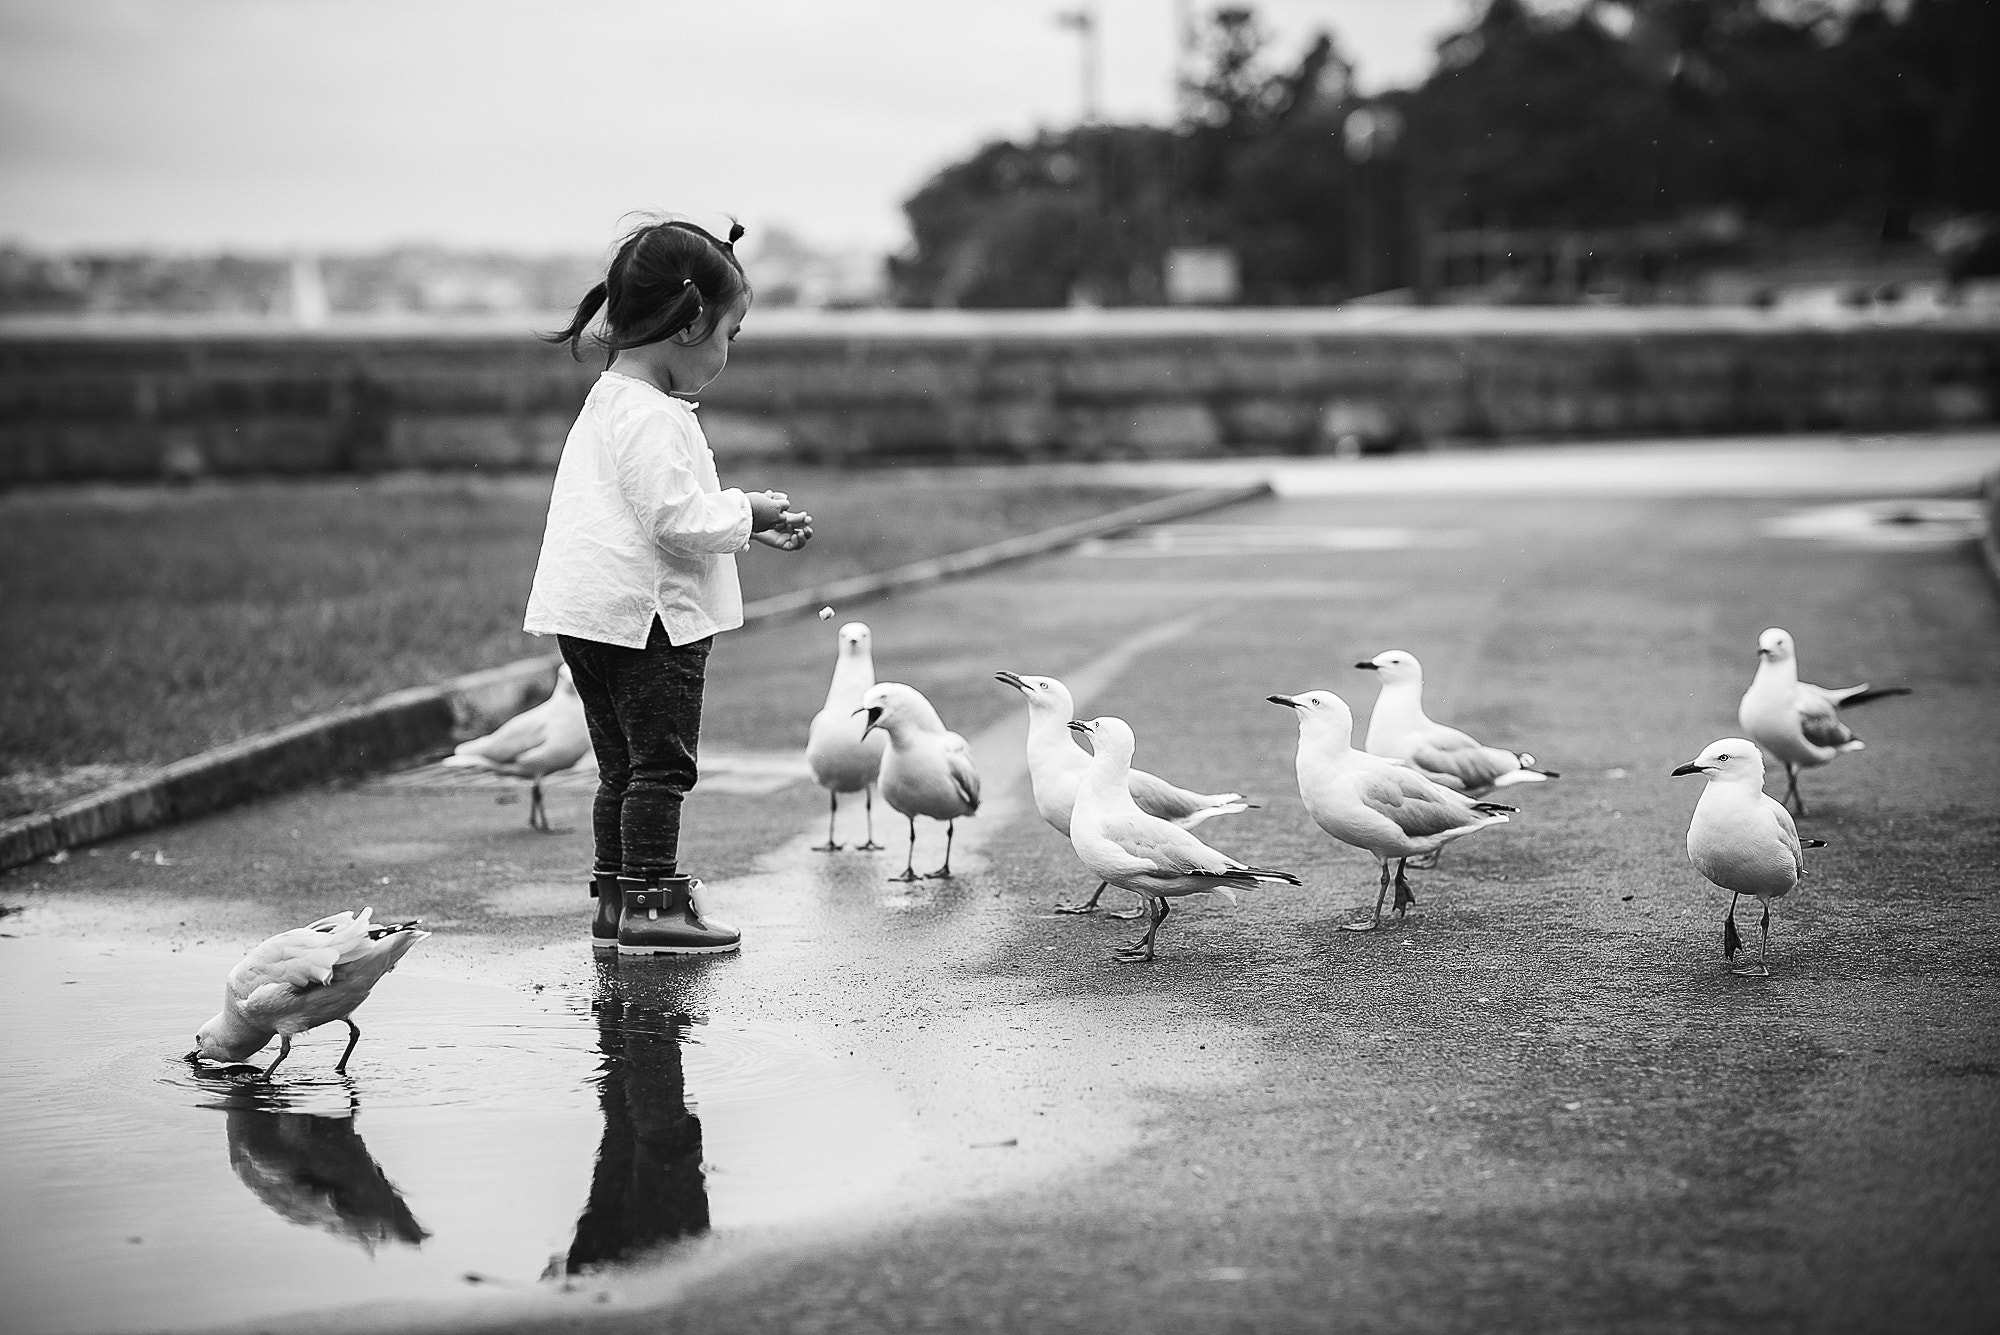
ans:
(1083, 19)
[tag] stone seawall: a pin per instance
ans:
(164, 399)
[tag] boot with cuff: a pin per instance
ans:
(661, 917)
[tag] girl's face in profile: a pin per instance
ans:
(689, 367)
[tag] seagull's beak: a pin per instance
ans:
(1763, 652)
(1010, 679)
(1369, 666)
(874, 713)
(1078, 725)
(1284, 700)
(1690, 768)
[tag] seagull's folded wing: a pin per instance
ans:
(1819, 722)
(1418, 806)
(1164, 848)
(1458, 761)
(510, 739)
(965, 778)
(1157, 797)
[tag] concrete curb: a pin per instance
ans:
(1989, 541)
(368, 737)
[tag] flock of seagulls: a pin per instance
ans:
(1414, 786)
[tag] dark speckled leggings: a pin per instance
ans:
(644, 711)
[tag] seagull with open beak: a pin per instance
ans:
(1743, 839)
(927, 770)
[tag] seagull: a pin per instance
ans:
(1056, 765)
(1399, 729)
(1380, 805)
(1134, 850)
(299, 980)
(927, 770)
(1743, 839)
(843, 757)
(1796, 721)
(533, 744)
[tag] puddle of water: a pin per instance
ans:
(1909, 525)
(479, 1130)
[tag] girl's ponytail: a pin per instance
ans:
(667, 278)
(585, 310)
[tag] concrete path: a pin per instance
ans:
(1542, 1104)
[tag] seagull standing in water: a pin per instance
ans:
(1056, 766)
(1796, 721)
(1379, 805)
(1153, 858)
(533, 744)
(927, 770)
(299, 980)
(1399, 729)
(1743, 839)
(843, 755)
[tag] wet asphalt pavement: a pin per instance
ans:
(1542, 1103)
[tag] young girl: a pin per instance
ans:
(636, 573)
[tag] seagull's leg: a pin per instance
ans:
(871, 846)
(1141, 951)
(944, 873)
(1380, 895)
(1731, 941)
(1792, 788)
(1088, 906)
(538, 818)
(1403, 896)
(910, 862)
(284, 1051)
(353, 1037)
(832, 805)
(1761, 970)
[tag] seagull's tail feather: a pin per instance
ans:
(1194, 818)
(1863, 694)
(470, 760)
(1524, 775)
(1262, 876)
(381, 929)
(1812, 843)
(1494, 809)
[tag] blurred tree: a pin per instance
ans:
(1785, 114)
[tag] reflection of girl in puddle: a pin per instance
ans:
(313, 1169)
(647, 1188)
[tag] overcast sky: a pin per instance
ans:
(534, 124)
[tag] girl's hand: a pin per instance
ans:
(786, 540)
(767, 509)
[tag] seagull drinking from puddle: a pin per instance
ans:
(1376, 804)
(1399, 729)
(1796, 721)
(927, 770)
(533, 744)
(842, 754)
(1743, 839)
(1153, 858)
(299, 980)
(1056, 766)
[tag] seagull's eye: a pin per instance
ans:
(1722, 757)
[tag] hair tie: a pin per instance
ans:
(687, 283)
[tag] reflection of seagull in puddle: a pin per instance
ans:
(313, 1169)
(647, 1188)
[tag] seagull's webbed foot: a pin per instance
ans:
(870, 847)
(944, 873)
(941, 874)
(1376, 921)
(907, 874)
(1137, 952)
(828, 847)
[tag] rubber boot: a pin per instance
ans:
(662, 917)
(604, 925)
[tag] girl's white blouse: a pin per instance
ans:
(639, 525)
